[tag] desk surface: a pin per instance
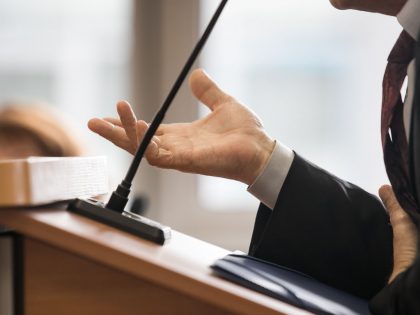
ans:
(182, 264)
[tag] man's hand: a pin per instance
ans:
(389, 7)
(405, 233)
(229, 142)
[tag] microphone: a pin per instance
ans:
(113, 213)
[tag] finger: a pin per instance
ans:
(400, 220)
(153, 147)
(114, 121)
(129, 122)
(113, 133)
(206, 90)
(388, 198)
(404, 232)
(141, 128)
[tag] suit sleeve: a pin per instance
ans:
(327, 228)
(402, 296)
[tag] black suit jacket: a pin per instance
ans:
(402, 296)
(326, 228)
(339, 234)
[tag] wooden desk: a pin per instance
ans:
(73, 265)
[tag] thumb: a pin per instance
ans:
(388, 198)
(404, 232)
(206, 90)
(402, 225)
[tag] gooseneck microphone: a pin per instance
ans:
(113, 212)
(119, 197)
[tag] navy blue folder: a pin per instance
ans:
(288, 285)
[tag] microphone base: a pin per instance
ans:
(126, 221)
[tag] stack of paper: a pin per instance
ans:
(41, 180)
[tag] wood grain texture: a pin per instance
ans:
(58, 282)
(182, 265)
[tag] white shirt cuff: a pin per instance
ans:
(409, 19)
(269, 182)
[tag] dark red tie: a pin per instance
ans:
(394, 140)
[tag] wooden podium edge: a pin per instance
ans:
(72, 234)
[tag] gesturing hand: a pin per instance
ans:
(229, 142)
(405, 233)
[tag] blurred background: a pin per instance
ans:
(312, 73)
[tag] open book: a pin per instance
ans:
(42, 180)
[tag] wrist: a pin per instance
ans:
(265, 147)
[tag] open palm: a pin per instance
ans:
(229, 142)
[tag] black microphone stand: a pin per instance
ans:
(113, 212)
